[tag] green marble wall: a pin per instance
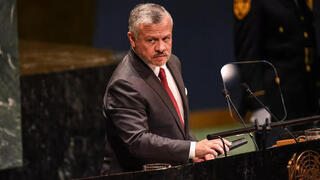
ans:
(10, 118)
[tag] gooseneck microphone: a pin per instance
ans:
(231, 104)
(248, 90)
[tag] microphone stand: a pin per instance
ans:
(230, 102)
(279, 124)
(247, 88)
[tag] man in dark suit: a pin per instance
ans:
(145, 103)
(281, 32)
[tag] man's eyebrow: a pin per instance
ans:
(151, 37)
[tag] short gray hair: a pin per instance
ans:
(148, 13)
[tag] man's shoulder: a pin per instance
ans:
(123, 70)
(173, 56)
(174, 61)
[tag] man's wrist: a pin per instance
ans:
(192, 151)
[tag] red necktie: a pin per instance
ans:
(164, 82)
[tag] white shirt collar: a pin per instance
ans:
(156, 69)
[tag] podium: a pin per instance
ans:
(271, 163)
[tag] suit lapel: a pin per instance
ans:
(150, 78)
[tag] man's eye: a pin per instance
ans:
(150, 40)
(166, 38)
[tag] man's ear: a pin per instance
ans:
(131, 39)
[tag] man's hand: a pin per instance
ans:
(207, 149)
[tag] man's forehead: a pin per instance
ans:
(155, 28)
(156, 34)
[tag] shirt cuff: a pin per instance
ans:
(192, 151)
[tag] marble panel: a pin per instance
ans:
(10, 118)
(63, 127)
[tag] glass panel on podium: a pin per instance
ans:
(253, 85)
(253, 94)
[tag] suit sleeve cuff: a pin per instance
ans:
(192, 151)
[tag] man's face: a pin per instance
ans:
(154, 42)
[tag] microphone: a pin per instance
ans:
(229, 72)
(231, 104)
(248, 90)
(235, 144)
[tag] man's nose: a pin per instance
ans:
(160, 46)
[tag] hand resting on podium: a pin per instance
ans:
(209, 149)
